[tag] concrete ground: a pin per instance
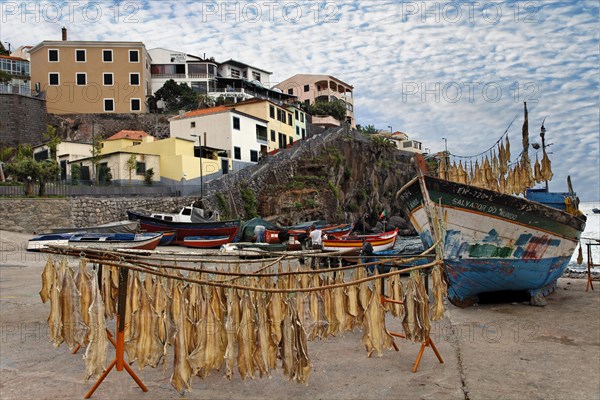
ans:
(492, 351)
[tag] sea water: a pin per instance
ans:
(591, 234)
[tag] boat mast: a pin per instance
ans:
(543, 136)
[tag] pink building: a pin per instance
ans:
(309, 88)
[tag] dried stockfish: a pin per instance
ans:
(96, 351)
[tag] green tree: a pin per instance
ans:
(131, 165)
(177, 96)
(148, 176)
(96, 151)
(75, 174)
(46, 171)
(53, 141)
(3, 51)
(336, 109)
(367, 130)
(4, 77)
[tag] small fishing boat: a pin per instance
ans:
(380, 242)
(333, 231)
(42, 241)
(167, 238)
(596, 210)
(140, 241)
(205, 242)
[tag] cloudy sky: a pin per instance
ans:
(432, 69)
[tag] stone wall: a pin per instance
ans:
(41, 215)
(23, 119)
(79, 127)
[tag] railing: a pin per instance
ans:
(15, 89)
(84, 188)
(201, 76)
(168, 76)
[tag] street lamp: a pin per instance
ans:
(201, 174)
(391, 131)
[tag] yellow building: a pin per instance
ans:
(280, 121)
(172, 159)
(91, 77)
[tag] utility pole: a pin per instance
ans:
(200, 154)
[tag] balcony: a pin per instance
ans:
(201, 76)
(168, 76)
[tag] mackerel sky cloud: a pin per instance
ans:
(432, 69)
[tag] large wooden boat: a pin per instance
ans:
(491, 241)
(217, 228)
(493, 237)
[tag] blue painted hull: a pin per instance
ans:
(468, 278)
(492, 242)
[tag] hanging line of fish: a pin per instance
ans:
(213, 328)
(496, 172)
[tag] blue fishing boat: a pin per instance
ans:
(491, 241)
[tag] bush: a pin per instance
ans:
(148, 176)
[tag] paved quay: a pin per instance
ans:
(490, 351)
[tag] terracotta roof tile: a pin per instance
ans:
(203, 111)
(125, 134)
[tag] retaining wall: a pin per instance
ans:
(41, 215)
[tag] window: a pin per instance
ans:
(52, 55)
(192, 124)
(134, 56)
(303, 133)
(107, 56)
(290, 91)
(301, 117)
(80, 55)
(109, 104)
(237, 153)
(235, 73)
(271, 111)
(290, 119)
(272, 135)
(296, 114)
(236, 123)
(81, 78)
(297, 130)
(306, 88)
(53, 79)
(140, 167)
(253, 155)
(136, 104)
(107, 78)
(134, 79)
(256, 76)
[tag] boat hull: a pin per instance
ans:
(381, 242)
(491, 242)
(183, 229)
(141, 241)
(205, 242)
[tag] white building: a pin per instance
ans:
(199, 73)
(226, 131)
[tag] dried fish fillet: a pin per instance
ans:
(96, 351)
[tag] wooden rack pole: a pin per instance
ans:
(119, 360)
(426, 343)
(590, 264)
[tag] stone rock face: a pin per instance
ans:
(339, 176)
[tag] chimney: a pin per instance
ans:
(64, 33)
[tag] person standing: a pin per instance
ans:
(259, 233)
(316, 237)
